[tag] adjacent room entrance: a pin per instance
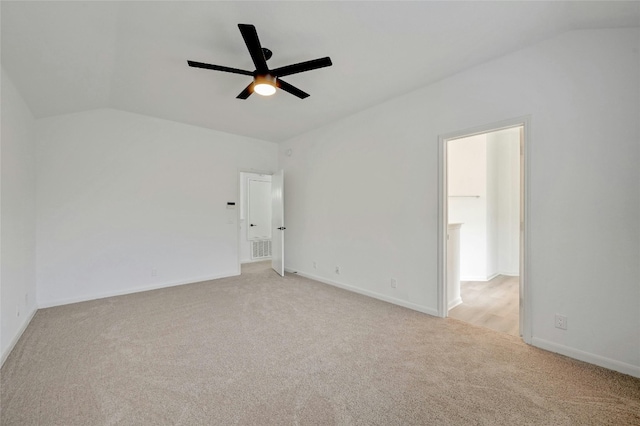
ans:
(261, 214)
(483, 224)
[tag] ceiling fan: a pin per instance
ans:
(265, 80)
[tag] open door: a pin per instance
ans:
(277, 222)
(259, 210)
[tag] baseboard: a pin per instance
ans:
(611, 364)
(490, 277)
(453, 303)
(474, 278)
(482, 277)
(60, 302)
(17, 337)
(242, 262)
(399, 302)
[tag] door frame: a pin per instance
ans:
(238, 204)
(525, 290)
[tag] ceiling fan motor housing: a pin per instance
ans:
(265, 79)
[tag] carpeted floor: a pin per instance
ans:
(264, 350)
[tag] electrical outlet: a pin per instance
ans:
(315, 265)
(154, 272)
(17, 311)
(338, 270)
(561, 322)
(394, 283)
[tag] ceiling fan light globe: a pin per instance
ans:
(264, 85)
(264, 89)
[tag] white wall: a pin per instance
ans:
(362, 193)
(128, 202)
(18, 220)
(493, 211)
(507, 199)
(245, 245)
(468, 180)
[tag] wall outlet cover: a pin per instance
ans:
(561, 322)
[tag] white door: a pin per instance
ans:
(277, 222)
(259, 210)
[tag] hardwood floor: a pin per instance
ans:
(492, 304)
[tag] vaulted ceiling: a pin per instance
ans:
(67, 57)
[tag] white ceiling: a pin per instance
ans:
(73, 56)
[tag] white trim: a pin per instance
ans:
(452, 304)
(443, 231)
(492, 276)
(526, 330)
(353, 289)
(17, 336)
(479, 277)
(489, 278)
(611, 364)
(262, 259)
(60, 302)
(442, 214)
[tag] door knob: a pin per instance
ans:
(282, 228)
(253, 225)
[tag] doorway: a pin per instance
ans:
(261, 221)
(483, 226)
(255, 217)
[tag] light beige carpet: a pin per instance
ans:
(264, 350)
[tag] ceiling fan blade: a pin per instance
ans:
(218, 68)
(291, 89)
(246, 92)
(302, 66)
(250, 36)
